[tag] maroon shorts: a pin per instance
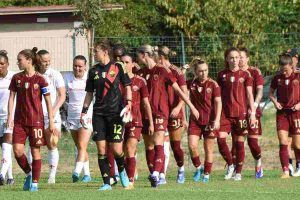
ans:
(256, 130)
(201, 130)
(160, 124)
(35, 134)
(174, 123)
(288, 121)
(238, 126)
(132, 132)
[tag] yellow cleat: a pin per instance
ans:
(130, 186)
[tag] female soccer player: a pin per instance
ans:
(105, 79)
(28, 121)
(5, 134)
(177, 120)
(254, 133)
(286, 85)
(75, 85)
(133, 129)
(58, 96)
(237, 97)
(205, 94)
(157, 77)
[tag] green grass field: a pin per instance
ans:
(270, 187)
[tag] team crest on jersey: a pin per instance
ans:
(155, 77)
(112, 73)
(295, 82)
(96, 77)
(36, 86)
(208, 90)
(26, 85)
(18, 83)
(200, 89)
(135, 88)
(224, 77)
(241, 80)
(232, 79)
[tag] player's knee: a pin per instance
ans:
(18, 152)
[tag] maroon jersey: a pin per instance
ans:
(258, 79)
(287, 89)
(158, 78)
(174, 98)
(202, 96)
(29, 111)
(139, 92)
(233, 91)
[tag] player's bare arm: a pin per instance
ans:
(50, 114)
(218, 104)
(148, 111)
(251, 105)
(87, 101)
(259, 95)
(174, 113)
(11, 100)
(61, 97)
(277, 105)
(128, 93)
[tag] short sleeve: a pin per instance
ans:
(13, 85)
(144, 90)
(124, 78)
(44, 86)
(248, 79)
(259, 79)
(168, 76)
(216, 90)
(90, 81)
(181, 79)
(274, 83)
(219, 78)
(59, 80)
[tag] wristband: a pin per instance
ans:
(85, 110)
(252, 113)
(255, 104)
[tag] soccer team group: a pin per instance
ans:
(118, 101)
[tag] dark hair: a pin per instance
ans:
(118, 51)
(227, 52)
(80, 57)
(42, 52)
(166, 52)
(285, 59)
(105, 46)
(3, 54)
(244, 49)
(30, 54)
(195, 62)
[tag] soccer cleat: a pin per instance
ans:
(1, 180)
(75, 177)
(130, 186)
(153, 180)
(113, 181)
(297, 173)
(259, 173)
(86, 179)
(136, 175)
(162, 181)
(229, 172)
(33, 188)
(51, 180)
(27, 183)
(237, 177)
(124, 178)
(291, 170)
(105, 187)
(198, 173)
(285, 175)
(180, 177)
(205, 178)
(10, 181)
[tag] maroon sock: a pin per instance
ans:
(240, 156)
(178, 152)
(233, 152)
(36, 170)
(254, 148)
(23, 163)
(284, 157)
(150, 153)
(163, 163)
(159, 157)
(196, 161)
(207, 167)
(111, 160)
(224, 150)
(130, 168)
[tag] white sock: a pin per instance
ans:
(86, 168)
(181, 169)
(29, 156)
(116, 169)
(6, 158)
(258, 162)
(34, 184)
(9, 172)
(167, 155)
(53, 158)
(78, 167)
(162, 175)
(155, 173)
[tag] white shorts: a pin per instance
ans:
(57, 124)
(3, 129)
(74, 124)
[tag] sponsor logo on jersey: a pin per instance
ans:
(200, 89)
(147, 76)
(39, 142)
(161, 127)
(287, 81)
(36, 86)
(96, 77)
(117, 137)
(103, 75)
(26, 85)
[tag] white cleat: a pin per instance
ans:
(51, 180)
(229, 172)
(297, 173)
(237, 177)
(291, 170)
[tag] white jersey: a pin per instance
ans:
(76, 91)
(55, 81)
(4, 93)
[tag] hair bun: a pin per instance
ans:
(173, 53)
(34, 49)
(155, 48)
(3, 52)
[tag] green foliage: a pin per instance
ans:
(34, 2)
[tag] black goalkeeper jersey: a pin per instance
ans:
(106, 81)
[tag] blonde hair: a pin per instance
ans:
(166, 52)
(195, 62)
(150, 50)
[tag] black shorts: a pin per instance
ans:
(108, 128)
